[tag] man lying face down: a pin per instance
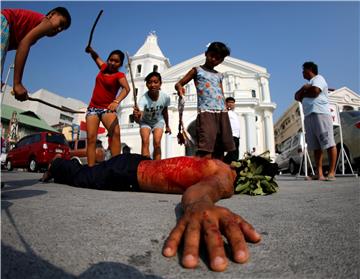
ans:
(201, 181)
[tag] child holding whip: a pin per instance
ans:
(152, 115)
(20, 29)
(213, 128)
(104, 102)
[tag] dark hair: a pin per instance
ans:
(229, 99)
(119, 53)
(311, 66)
(219, 48)
(65, 13)
(153, 74)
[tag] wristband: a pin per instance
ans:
(116, 101)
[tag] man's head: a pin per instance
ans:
(230, 103)
(60, 20)
(310, 69)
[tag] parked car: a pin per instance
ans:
(289, 160)
(290, 153)
(37, 150)
(350, 124)
(78, 151)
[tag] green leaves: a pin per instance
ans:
(255, 175)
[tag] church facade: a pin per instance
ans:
(246, 82)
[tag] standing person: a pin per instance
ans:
(152, 115)
(104, 102)
(20, 29)
(235, 128)
(201, 181)
(318, 122)
(213, 128)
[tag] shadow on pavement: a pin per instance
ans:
(20, 194)
(19, 265)
(14, 184)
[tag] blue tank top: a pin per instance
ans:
(209, 93)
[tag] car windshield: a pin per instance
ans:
(55, 138)
(354, 113)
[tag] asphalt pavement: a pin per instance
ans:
(309, 230)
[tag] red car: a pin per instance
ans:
(37, 150)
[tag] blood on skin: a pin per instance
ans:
(180, 172)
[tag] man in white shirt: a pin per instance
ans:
(235, 127)
(318, 122)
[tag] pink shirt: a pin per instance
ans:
(21, 22)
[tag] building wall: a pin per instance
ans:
(51, 115)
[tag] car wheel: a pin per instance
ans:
(293, 168)
(9, 166)
(33, 165)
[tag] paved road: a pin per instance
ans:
(310, 230)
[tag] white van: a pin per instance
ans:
(290, 152)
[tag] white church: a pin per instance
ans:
(244, 81)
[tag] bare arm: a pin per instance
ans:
(203, 219)
(179, 85)
(98, 61)
(122, 95)
(307, 91)
(22, 53)
(209, 181)
(166, 118)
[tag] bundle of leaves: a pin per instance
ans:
(255, 175)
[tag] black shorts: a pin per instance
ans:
(214, 132)
(118, 173)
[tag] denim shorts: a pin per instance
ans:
(160, 124)
(97, 111)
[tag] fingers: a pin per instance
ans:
(172, 242)
(249, 232)
(237, 232)
(236, 239)
(191, 245)
(215, 245)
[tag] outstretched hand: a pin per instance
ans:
(209, 222)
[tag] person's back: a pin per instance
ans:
(178, 173)
(203, 182)
(20, 22)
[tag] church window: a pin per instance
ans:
(155, 68)
(138, 70)
(253, 93)
(347, 108)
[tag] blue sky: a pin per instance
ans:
(279, 36)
